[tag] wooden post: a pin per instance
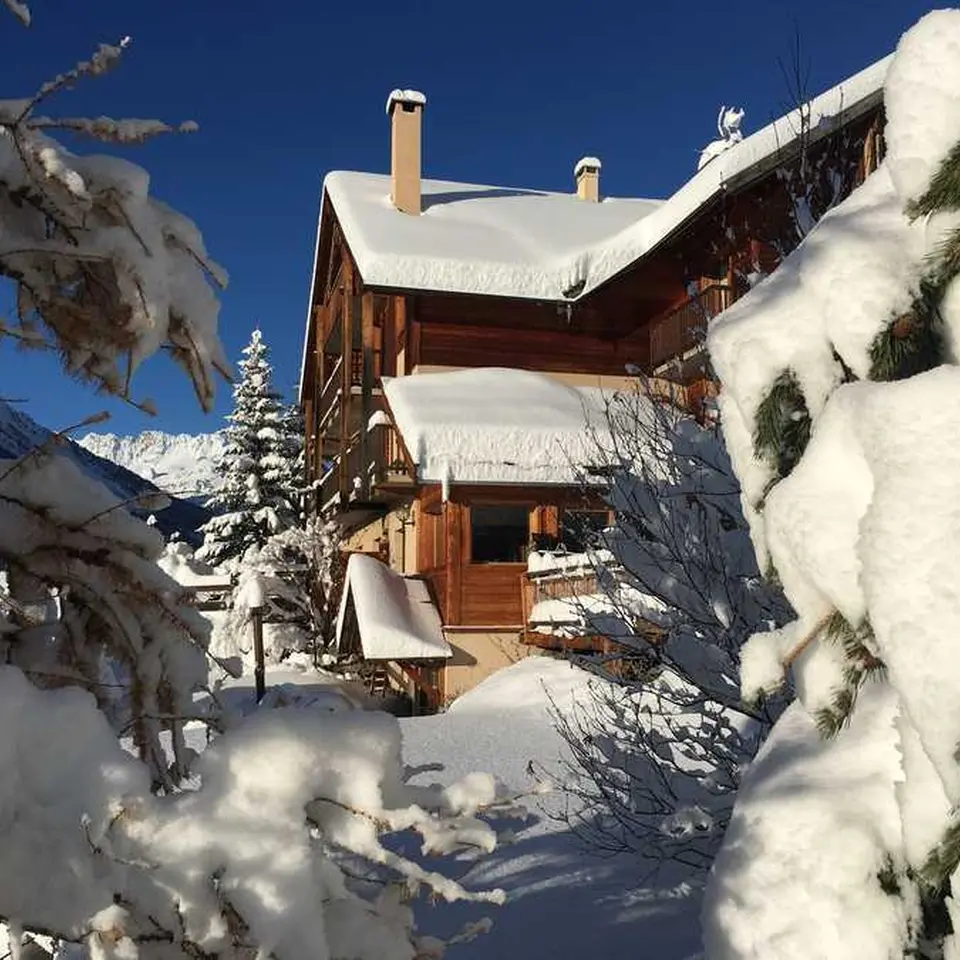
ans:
(412, 694)
(346, 372)
(366, 387)
(259, 673)
(414, 335)
(401, 333)
(456, 546)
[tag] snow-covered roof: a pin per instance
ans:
(395, 616)
(607, 259)
(497, 241)
(495, 425)
(530, 244)
(500, 241)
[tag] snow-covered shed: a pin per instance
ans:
(389, 619)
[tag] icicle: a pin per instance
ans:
(445, 482)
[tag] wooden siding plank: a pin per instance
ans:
(455, 541)
(464, 345)
(491, 594)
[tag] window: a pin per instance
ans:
(499, 534)
(579, 529)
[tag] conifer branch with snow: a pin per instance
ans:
(839, 402)
(105, 274)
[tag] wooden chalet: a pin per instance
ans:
(417, 279)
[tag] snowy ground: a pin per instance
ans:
(294, 682)
(562, 902)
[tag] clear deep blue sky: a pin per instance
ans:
(286, 90)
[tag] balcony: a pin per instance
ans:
(682, 331)
(566, 609)
(553, 602)
(376, 471)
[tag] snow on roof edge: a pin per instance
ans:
(498, 425)
(395, 615)
(633, 243)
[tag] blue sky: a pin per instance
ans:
(285, 90)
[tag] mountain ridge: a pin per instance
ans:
(20, 433)
(181, 464)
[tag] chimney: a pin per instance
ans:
(587, 175)
(405, 109)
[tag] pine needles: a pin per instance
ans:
(783, 424)
(914, 342)
(862, 665)
(944, 190)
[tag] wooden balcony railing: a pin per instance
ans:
(685, 327)
(569, 584)
(557, 586)
(328, 395)
(386, 466)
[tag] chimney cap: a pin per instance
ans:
(414, 97)
(587, 165)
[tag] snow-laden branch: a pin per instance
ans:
(112, 274)
(246, 862)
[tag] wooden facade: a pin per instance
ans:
(652, 316)
(486, 594)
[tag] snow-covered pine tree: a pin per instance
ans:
(261, 491)
(841, 405)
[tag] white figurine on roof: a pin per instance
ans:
(728, 126)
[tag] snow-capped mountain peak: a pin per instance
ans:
(181, 464)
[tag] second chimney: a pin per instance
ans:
(587, 175)
(405, 109)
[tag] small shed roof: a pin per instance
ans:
(396, 618)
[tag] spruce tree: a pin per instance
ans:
(261, 467)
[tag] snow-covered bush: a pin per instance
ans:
(841, 404)
(86, 604)
(290, 578)
(243, 864)
(654, 768)
(112, 832)
(262, 467)
(659, 753)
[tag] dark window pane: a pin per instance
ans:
(579, 529)
(499, 534)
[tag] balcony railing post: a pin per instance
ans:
(675, 333)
